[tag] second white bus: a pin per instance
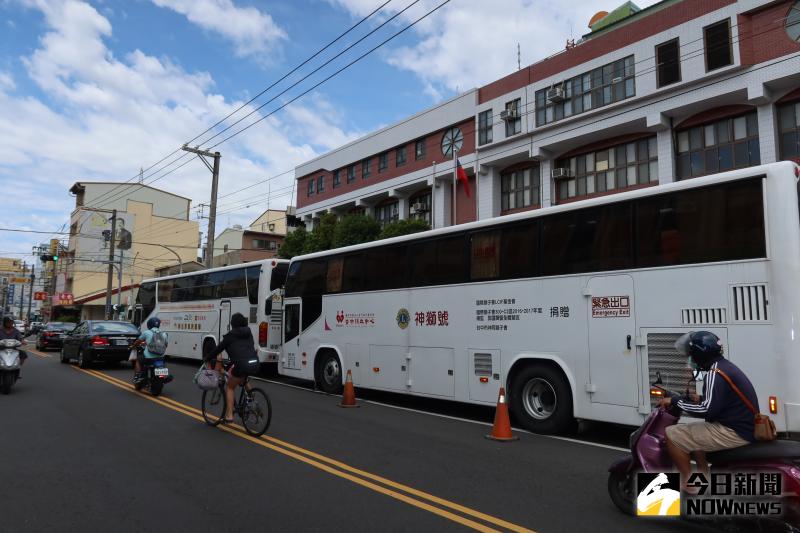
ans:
(195, 308)
(573, 308)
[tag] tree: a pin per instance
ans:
(321, 237)
(355, 229)
(403, 227)
(293, 244)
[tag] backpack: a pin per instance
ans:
(158, 343)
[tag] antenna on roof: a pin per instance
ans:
(519, 58)
(141, 175)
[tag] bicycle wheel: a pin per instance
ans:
(214, 406)
(256, 412)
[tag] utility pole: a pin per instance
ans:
(22, 291)
(212, 217)
(119, 280)
(110, 279)
(30, 296)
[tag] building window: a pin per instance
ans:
(617, 167)
(387, 213)
(264, 244)
(519, 189)
(789, 120)
(668, 61)
(420, 207)
(272, 227)
(310, 187)
(484, 127)
(321, 184)
(365, 170)
(600, 87)
(718, 45)
(383, 161)
(400, 156)
(351, 173)
(718, 146)
(336, 179)
(513, 117)
(419, 149)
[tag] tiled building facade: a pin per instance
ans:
(678, 90)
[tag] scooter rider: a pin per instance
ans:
(153, 325)
(10, 332)
(728, 421)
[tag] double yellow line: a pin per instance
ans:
(382, 485)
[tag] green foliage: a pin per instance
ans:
(355, 229)
(403, 227)
(321, 237)
(293, 243)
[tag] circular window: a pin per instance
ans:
(793, 22)
(452, 138)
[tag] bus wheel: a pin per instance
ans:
(541, 399)
(329, 373)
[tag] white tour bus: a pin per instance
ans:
(195, 308)
(572, 308)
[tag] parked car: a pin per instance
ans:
(98, 340)
(51, 335)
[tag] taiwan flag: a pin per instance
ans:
(462, 177)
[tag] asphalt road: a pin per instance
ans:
(82, 452)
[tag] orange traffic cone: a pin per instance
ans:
(501, 430)
(349, 395)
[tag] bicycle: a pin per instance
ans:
(253, 406)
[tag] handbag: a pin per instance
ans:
(206, 378)
(764, 426)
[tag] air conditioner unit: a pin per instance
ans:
(419, 207)
(555, 94)
(559, 173)
(509, 114)
(291, 210)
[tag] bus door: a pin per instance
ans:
(274, 316)
(612, 341)
(224, 318)
(291, 333)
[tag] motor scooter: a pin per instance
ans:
(10, 364)
(649, 454)
(155, 375)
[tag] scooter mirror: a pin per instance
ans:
(658, 380)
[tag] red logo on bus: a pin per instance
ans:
(340, 316)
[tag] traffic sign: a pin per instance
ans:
(19, 280)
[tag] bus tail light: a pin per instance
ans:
(99, 341)
(656, 393)
(263, 333)
(773, 405)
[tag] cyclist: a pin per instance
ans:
(146, 340)
(238, 343)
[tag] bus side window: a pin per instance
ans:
(268, 306)
(353, 275)
(485, 255)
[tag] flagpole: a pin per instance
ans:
(455, 181)
(433, 197)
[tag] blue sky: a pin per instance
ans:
(96, 89)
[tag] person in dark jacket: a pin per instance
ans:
(729, 423)
(8, 331)
(238, 343)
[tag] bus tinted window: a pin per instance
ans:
(718, 223)
(235, 285)
(520, 251)
(385, 268)
(587, 240)
(439, 262)
(165, 290)
(333, 282)
(253, 276)
(485, 255)
(183, 289)
(353, 275)
(147, 298)
(278, 276)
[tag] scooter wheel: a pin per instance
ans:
(622, 491)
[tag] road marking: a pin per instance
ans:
(38, 353)
(317, 460)
(458, 419)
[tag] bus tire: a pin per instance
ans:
(541, 400)
(329, 372)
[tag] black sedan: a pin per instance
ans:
(51, 335)
(99, 340)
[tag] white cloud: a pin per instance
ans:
(469, 43)
(252, 31)
(103, 117)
